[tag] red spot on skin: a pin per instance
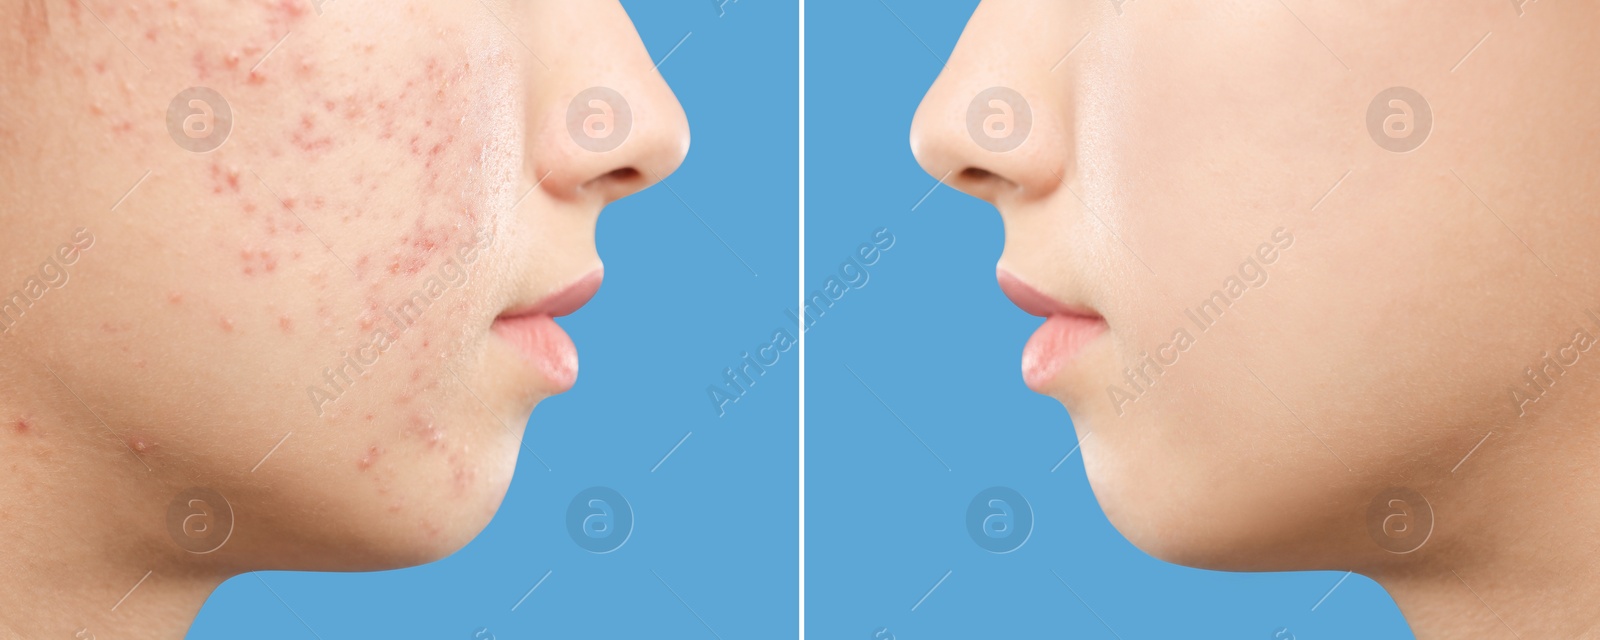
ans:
(429, 434)
(285, 323)
(175, 298)
(226, 323)
(370, 457)
(22, 426)
(258, 260)
(462, 479)
(139, 445)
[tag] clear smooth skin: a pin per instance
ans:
(379, 151)
(1379, 308)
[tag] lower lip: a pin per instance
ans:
(1054, 345)
(542, 343)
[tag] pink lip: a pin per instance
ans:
(1062, 336)
(535, 334)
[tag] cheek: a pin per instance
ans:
(361, 162)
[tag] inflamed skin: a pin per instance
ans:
(269, 183)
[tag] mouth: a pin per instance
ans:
(533, 332)
(1066, 331)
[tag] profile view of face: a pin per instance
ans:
(1319, 278)
(279, 276)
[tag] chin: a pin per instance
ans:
(1211, 511)
(437, 514)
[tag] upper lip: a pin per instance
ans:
(1034, 302)
(564, 300)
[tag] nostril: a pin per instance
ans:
(625, 174)
(974, 174)
(625, 178)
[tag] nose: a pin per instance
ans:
(601, 122)
(997, 124)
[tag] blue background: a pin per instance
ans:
(716, 523)
(932, 336)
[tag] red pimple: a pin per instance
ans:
(370, 457)
(138, 445)
(463, 478)
(175, 298)
(22, 426)
(226, 323)
(285, 323)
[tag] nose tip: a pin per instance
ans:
(989, 141)
(602, 123)
(606, 143)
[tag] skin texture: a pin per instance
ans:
(377, 149)
(1381, 345)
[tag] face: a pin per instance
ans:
(321, 286)
(1266, 303)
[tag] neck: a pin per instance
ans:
(87, 553)
(1513, 553)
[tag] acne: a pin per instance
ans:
(430, 435)
(257, 261)
(139, 445)
(462, 478)
(369, 458)
(23, 426)
(285, 324)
